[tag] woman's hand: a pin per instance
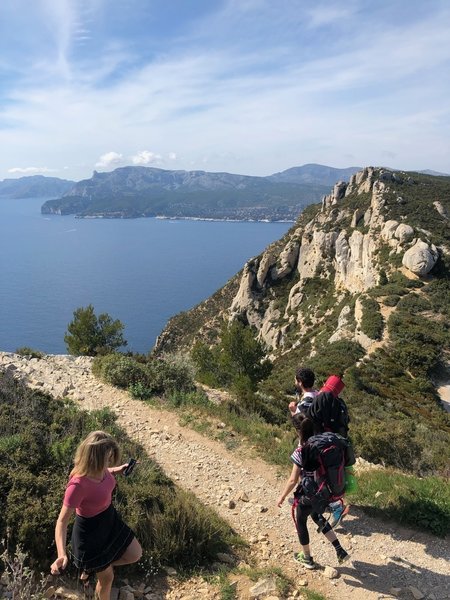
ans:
(280, 501)
(118, 470)
(59, 565)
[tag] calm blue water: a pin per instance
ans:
(141, 271)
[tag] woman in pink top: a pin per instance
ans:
(100, 539)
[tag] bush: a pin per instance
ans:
(372, 323)
(237, 361)
(391, 300)
(145, 378)
(119, 370)
(41, 435)
(29, 352)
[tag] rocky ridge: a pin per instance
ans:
(387, 562)
(349, 244)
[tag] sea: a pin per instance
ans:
(141, 271)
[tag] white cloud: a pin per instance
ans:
(109, 159)
(249, 107)
(31, 170)
(145, 157)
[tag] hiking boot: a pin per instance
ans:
(308, 563)
(337, 515)
(342, 555)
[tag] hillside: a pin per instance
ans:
(384, 555)
(359, 286)
(130, 192)
(35, 186)
(314, 173)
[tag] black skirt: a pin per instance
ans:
(99, 541)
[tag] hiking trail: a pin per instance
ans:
(387, 560)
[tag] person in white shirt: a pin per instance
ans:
(304, 384)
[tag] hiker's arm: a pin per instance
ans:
(60, 539)
(290, 484)
(117, 470)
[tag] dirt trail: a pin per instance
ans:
(384, 556)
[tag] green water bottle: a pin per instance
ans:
(351, 484)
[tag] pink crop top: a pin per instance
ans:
(89, 497)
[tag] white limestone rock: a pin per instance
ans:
(343, 330)
(316, 245)
(268, 260)
(389, 229)
(404, 233)
(262, 588)
(287, 260)
(355, 262)
(244, 296)
(441, 209)
(356, 217)
(420, 258)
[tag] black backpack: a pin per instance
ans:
(327, 454)
(329, 413)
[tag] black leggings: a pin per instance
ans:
(303, 511)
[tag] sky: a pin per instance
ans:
(242, 86)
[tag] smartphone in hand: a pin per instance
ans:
(129, 469)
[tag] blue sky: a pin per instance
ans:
(244, 86)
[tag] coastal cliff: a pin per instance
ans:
(381, 225)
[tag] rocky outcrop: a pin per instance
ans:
(316, 246)
(420, 258)
(359, 236)
(355, 266)
(404, 233)
(441, 209)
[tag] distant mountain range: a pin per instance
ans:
(35, 186)
(130, 192)
(313, 173)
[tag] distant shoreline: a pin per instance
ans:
(164, 218)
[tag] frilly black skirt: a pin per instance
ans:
(99, 541)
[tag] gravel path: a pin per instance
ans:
(387, 561)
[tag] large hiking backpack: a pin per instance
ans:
(327, 454)
(329, 413)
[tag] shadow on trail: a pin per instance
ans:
(395, 574)
(362, 523)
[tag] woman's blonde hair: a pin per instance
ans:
(95, 453)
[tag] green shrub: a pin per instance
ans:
(29, 352)
(238, 361)
(165, 376)
(119, 370)
(143, 379)
(391, 300)
(41, 435)
(140, 391)
(393, 446)
(372, 323)
(423, 503)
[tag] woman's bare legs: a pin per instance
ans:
(105, 578)
(132, 554)
(104, 583)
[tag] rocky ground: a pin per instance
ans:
(387, 561)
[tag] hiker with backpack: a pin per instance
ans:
(327, 410)
(304, 385)
(329, 413)
(318, 476)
